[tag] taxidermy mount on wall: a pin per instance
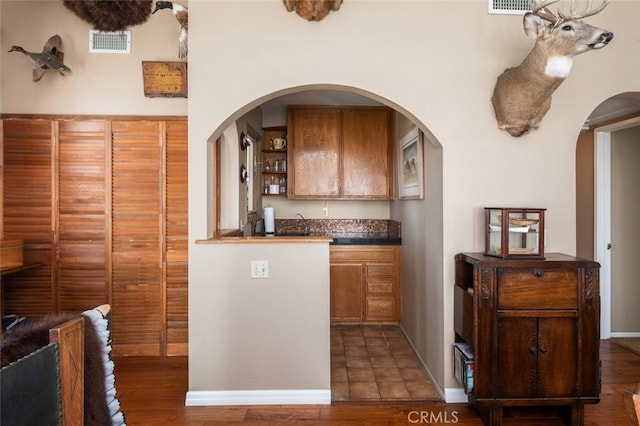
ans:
(49, 59)
(522, 95)
(312, 10)
(182, 16)
(113, 15)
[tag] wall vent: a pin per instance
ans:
(109, 42)
(509, 7)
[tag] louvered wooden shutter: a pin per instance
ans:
(82, 215)
(176, 220)
(136, 237)
(28, 199)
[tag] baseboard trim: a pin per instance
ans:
(455, 395)
(258, 397)
(624, 334)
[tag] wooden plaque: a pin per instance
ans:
(165, 79)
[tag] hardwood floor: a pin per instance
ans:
(152, 391)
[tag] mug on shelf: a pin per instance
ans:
(278, 143)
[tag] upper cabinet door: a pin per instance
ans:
(367, 154)
(314, 153)
(340, 152)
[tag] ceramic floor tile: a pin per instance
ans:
(340, 391)
(375, 341)
(358, 361)
(364, 390)
(353, 340)
(382, 361)
(407, 360)
(393, 390)
(413, 374)
(379, 350)
(356, 350)
(372, 332)
(339, 374)
(376, 363)
(360, 374)
(387, 374)
(421, 390)
(338, 361)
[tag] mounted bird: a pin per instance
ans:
(182, 16)
(46, 60)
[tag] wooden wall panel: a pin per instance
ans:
(28, 184)
(82, 215)
(176, 221)
(136, 237)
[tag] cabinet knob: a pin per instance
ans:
(538, 273)
(533, 349)
(543, 350)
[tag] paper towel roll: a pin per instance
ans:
(269, 221)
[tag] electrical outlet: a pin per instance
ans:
(259, 269)
(325, 211)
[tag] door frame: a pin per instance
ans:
(602, 196)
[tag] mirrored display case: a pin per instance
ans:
(514, 232)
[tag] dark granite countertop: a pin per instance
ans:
(347, 238)
(343, 231)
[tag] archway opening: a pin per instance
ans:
(421, 219)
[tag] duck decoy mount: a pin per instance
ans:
(49, 59)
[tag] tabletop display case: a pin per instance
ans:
(514, 232)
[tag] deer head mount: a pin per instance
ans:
(522, 95)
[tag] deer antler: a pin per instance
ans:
(586, 13)
(540, 8)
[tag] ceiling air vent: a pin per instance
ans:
(109, 42)
(509, 7)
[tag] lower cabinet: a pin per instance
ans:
(533, 326)
(365, 283)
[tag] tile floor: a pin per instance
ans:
(376, 363)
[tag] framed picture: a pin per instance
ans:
(411, 165)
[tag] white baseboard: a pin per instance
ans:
(455, 395)
(625, 334)
(258, 397)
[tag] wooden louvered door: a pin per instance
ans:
(28, 199)
(102, 208)
(82, 280)
(136, 263)
(176, 221)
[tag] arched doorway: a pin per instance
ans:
(421, 219)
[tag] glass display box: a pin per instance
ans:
(514, 232)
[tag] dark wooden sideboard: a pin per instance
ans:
(534, 328)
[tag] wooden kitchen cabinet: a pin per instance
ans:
(314, 152)
(534, 329)
(341, 152)
(365, 283)
(346, 289)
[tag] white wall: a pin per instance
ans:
(265, 335)
(436, 61)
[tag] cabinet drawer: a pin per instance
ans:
(380, 308)
(537, 288)
(364, 254)
(378, 269)
(380, 287)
